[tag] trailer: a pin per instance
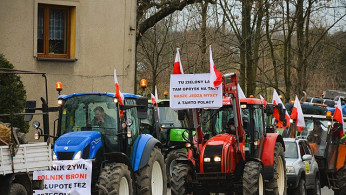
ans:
(16, 172)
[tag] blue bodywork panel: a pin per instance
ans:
(138, 150)
(343, 107)
(78, 141)
(126, 95)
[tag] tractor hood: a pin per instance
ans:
(215, 151)
(69, 144)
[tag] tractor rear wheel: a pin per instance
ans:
(170, 162)
(152, 178)
(115, 178)
(180, 177)
(17, 189)
(278, 184)
(252, 179)
(340, 177)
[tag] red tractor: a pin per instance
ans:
(231, 152)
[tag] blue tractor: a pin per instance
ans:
(95, 126)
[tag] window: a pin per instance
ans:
(55, 31)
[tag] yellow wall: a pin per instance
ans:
(103, 41)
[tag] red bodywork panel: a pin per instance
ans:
(268, 149)
(251, 101)
(230, 157)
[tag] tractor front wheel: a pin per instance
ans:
(115, 178)
(170, 162)
(180, 177)
(278, 184)
(340, 183)
(252, 179)
(152, 178)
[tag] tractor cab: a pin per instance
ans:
(97, 115)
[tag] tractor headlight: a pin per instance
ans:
(54, 156)
(217, 159)
(206, 159)
(60, 102)
(129, 133)
(77, 156)
(290, 169)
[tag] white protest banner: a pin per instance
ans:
(70, 177)
(194, 91)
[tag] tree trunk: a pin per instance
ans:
(301, 45)
(257, 41)
(250, 86)
(203, 46)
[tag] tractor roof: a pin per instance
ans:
(254, 101)
(126, 95)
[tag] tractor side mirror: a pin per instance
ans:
(142, 107)
(269, 109)
(181, 114)
(30, 106)
(282, 112)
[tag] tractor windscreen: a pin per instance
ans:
(216, 122)
(169, 117)
(316, 131)
(89, 113)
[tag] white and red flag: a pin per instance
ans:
(240, 92)
(118, 93)
(177, 69)
(215, 74)
(338, 117)
(297, 114)
(277, 101)
(155, 97)
(264, 101)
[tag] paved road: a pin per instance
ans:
(325, 191)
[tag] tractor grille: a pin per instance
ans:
(211, 152)
(65, 155)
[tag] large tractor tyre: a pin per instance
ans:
(252, 179)
(152, 178)
(301, 189)
(317, 188)
(340, 182)
(180, 177)
(115, 179)
(278, 184)
(17, 189)
(170, 162)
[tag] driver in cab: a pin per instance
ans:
(317, 134)
(102, 119)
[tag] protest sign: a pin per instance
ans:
(70, 177)
(194, 91)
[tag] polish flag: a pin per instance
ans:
(297, 114)
(264, 101)
(338, 117)
(240, 92)
(177, 69)
(153, 99)
(215, 74)
(118, 93)
(277, 101)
